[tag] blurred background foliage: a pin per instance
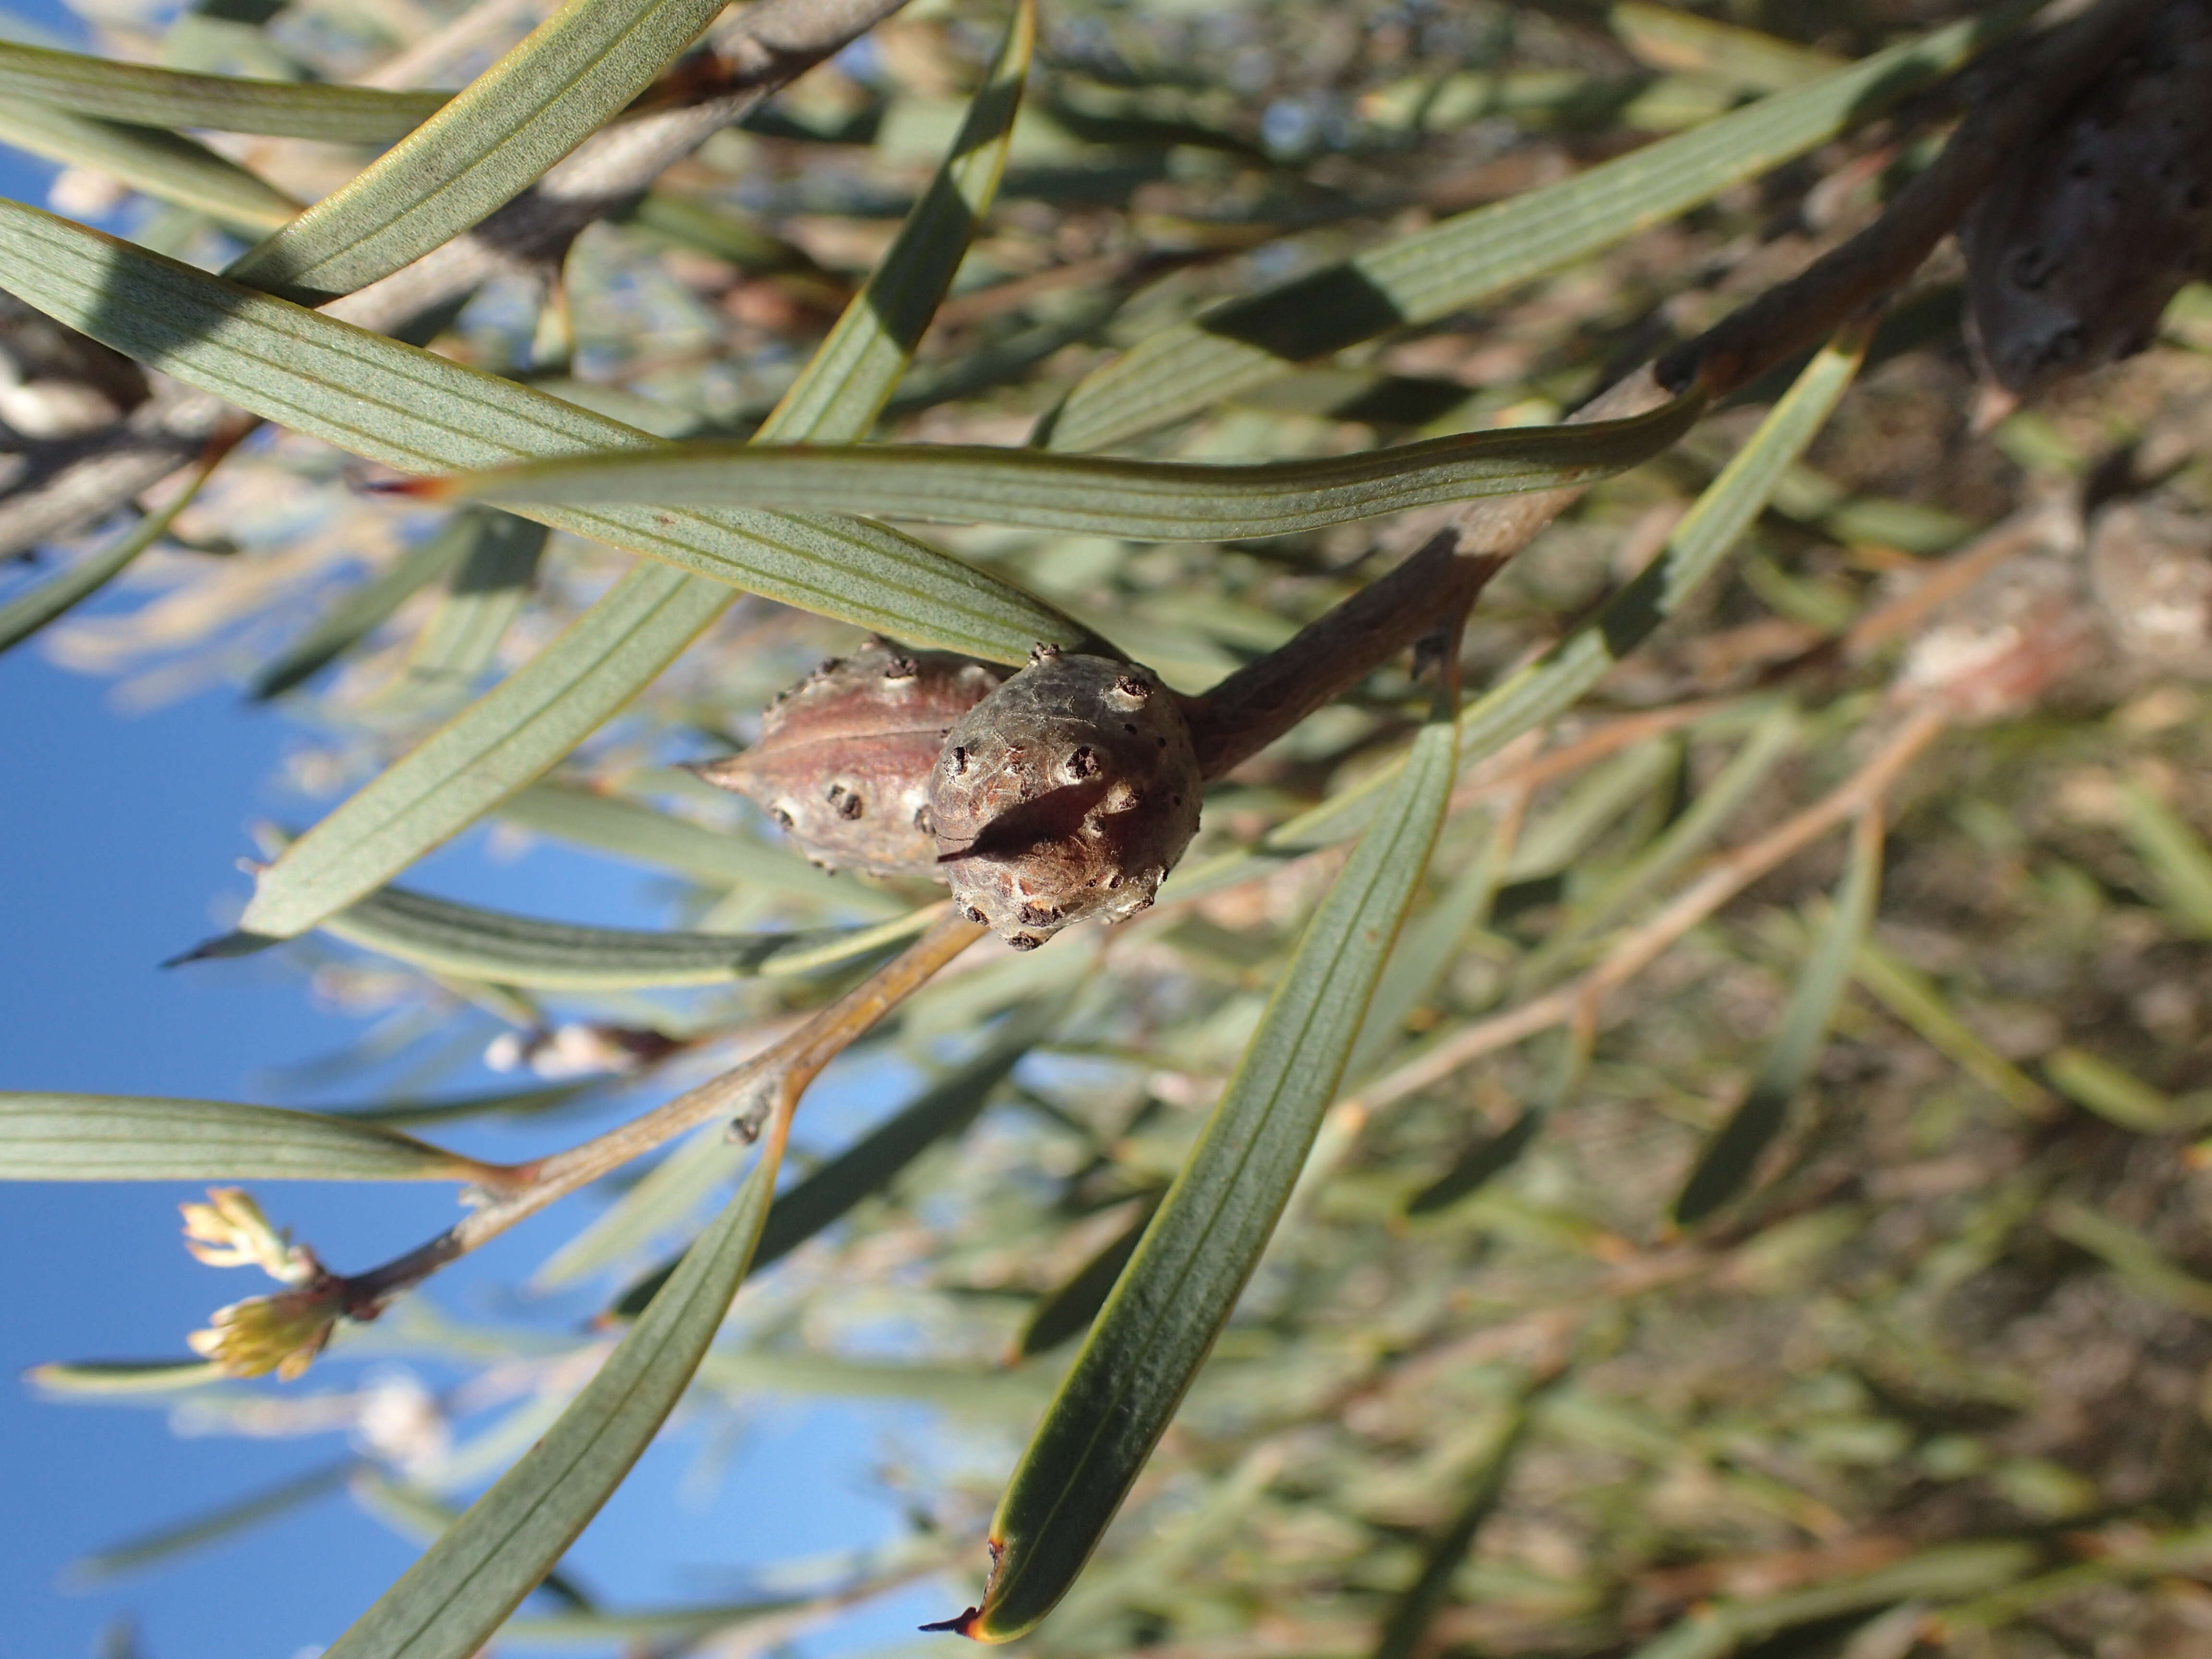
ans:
(1932, 1376)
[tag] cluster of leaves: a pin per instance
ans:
(1640, 1239)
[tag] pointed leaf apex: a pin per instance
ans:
(236, 943)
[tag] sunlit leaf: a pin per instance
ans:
(474, 943)
(59, 1137)
(1143, 500)
(380, 398)
(151, 96)
(424, 413)
(166, 166)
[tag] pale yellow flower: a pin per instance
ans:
(229, 1230)
(281, 1333)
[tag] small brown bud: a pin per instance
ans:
(1064, 795)
(844, 757)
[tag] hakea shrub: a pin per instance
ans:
(1545, 1182)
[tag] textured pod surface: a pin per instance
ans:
(2078, 245)
(1069, 791)
(844, 756)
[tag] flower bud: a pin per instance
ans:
(844, 756)
(281, 1333)
(1069, 791)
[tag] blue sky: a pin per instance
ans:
(118, 840)
(117, 833)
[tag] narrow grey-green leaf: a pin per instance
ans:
(423, 1518)
(1462, 260)
(1102, 495)
(483, 596)
(26, 613)
(150, 96)
(107, 1378)
(870, 1163)
(211, 1528)
(1178, 1291)
(166, 166)
(631, 830)
(450, 1601)
(59, 1137)
(1727, 1163)
(358, 613)
(416, 410)
(481, 149)
(473, 943)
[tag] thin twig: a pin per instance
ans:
(1582, 999)
(760, 1094)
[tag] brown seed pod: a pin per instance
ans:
(1069, 791)
(844, 756)
(2077, 244)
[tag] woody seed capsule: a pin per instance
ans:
(844, 756)
(1069, 791)
(2079, 242)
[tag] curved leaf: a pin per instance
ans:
(1141, 500)
(164, 165)
(630, 829)
(209, 1527)
(416, 410)
(1178, 1291)
(473, 943)
(26, 613)
(360, 611)
(1471, 255)
(123, 1376)
(483, 596)
(59, 1137)
(1727, 1163)
(465, 1585)
(480, 150)
(150, 96)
